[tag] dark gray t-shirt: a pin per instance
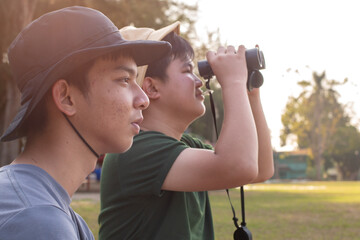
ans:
(34, 206)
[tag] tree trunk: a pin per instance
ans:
(317, 154)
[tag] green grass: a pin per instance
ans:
(89, 210)
(284, 211)
(312, 210)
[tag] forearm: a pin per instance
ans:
(238, 139)
(265, 151)
(237, 146)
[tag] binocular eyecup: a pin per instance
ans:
(255, 61)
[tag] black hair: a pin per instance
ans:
(181, 49)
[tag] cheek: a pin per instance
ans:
(114, 103)
(120, 107)
(185, 82)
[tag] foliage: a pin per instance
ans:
(315, 117)
(14, 16)
(151, 13)
(313, 113)
(344, 152)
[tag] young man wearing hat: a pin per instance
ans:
(158, 189)
(80, 98)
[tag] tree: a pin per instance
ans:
(314, 117)
(150, 13)
(16, 14)
(343, 152)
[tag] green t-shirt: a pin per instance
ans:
(133, 206)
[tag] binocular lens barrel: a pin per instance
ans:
(254, 60)
(204, 69)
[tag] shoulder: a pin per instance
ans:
(149, 143)
(39, 222)
(27, 185)
(149, 159)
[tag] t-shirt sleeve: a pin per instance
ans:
(195, 142)
(41, 223)
(143, 169)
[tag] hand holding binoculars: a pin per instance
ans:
(255, 61)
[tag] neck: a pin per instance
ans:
(169, 124)
(66, 159)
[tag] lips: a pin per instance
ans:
(136, 124)
(199, 93)
(139, 120)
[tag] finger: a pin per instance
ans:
(210, 55)
(241, 49)
(221, 50)
(230, 49)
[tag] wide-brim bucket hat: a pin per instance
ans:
(134, 33)
(57, 43)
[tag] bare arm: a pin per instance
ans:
(265, 161)
(234, 160)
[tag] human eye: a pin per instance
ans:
(124, 80)
(188, 70)
(188, 67)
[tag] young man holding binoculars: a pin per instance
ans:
(158, 189)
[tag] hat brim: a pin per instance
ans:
(143, 52)
(133, 33)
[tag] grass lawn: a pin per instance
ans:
(278, 211)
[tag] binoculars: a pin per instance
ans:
(255, 61)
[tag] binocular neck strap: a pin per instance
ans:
(207, 84)
(242, 197)
(81, 137)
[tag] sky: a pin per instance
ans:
(303, 35)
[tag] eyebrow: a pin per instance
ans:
(127, 69)
(189, 63)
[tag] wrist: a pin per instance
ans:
(234, 84)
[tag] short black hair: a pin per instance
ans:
(180, 49)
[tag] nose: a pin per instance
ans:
(198, 82)
(141, 99)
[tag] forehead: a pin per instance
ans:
(183, 62)
(114, 64)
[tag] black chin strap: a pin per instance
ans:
(235, 219)
(81, 137)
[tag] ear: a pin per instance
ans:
(151, 87)
(62, 97)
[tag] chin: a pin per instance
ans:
(202, 110)
(120, 147)
(126, 146)
(198, 114)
